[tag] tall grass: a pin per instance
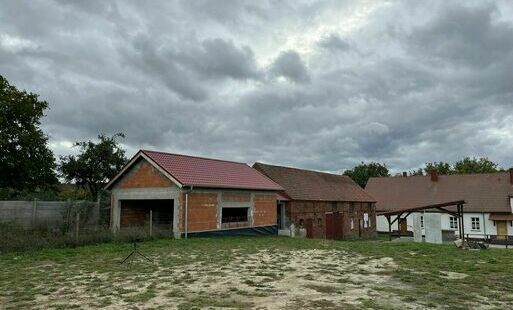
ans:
(16, 239)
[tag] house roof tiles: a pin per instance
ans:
(300, 184)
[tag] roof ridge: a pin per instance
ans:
(441, 175)
(198, 157)
(300, 169)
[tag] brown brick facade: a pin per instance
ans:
(264, 212)
(237, 197)
(204, 208)
(202, 213)
(309, 213)
(145, 175)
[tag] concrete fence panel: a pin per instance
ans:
(28, 214)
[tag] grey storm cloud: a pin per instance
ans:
(320, 85)
(289, 65)
(334, 42)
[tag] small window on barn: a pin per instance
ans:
(319, 222)
(476, 225)
(234, 217)
(453, 222)
(352, 224)
(366, 220)
(421, 221)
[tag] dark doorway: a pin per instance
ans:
(280, 216)
(403, 227)
(309, 228)
(136, 214)
(334, 226)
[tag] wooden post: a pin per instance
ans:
(34, 212)
(462, 225)
(151, 223)
(389, 228)
(77, 226)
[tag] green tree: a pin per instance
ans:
(475, 165)
(419, 171)
(96, 164)
(440, 167)
(362, 172)
(26, 162)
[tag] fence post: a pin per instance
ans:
(98, 211)
(77, 226)
(151, 223)
(34, 212)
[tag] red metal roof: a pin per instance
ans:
(212, 173)
(303, 184)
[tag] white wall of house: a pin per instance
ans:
(486, 226)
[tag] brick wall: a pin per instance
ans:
(264, 212)
(302, 211)
(236, 197)
(202, 213)
(204, 209)
(144, 175)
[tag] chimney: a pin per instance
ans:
(434, 175)
(511, 176)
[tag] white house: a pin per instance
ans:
(488, 212)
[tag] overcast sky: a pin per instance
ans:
(319, 85)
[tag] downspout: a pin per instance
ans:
(187, 210)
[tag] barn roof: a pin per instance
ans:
(481, 192)
(300, 184)
(196, 171)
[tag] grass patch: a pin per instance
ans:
(239, 272)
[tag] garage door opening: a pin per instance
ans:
(234, 217)
(135, 215)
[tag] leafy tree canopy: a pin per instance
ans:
(475, 165)
(26, 162)
(96, 164)
(362, 172)
(465, 166)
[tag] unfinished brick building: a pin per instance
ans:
(327, 205)
(189, 195)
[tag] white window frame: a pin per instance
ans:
(475, 223)
(453, 222)
(352, 224)
(365, 220)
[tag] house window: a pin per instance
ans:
(234, 217)
(421, 221)
(352, 224)
(319, 222)
(366, 220)
(301, 222)
(453, 222)
(476, 225)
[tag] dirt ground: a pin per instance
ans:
(256, 273)
(313, 278)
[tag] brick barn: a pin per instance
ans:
(192, 195)
(328, 205)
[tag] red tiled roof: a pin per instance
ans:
(302, 184)
(482, 192)
(212, 173)
(282, 196)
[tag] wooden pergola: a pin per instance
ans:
(439, 207)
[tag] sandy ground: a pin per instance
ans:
(307, 279)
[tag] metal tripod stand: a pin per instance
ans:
(135, 251)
